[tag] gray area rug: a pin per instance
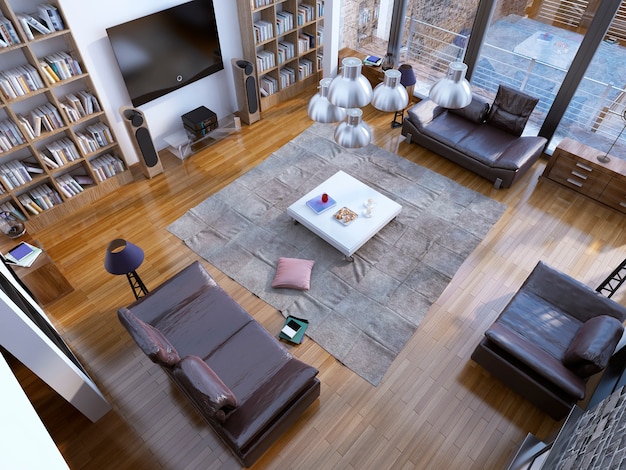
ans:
(361, 312)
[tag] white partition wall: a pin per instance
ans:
(37, 345)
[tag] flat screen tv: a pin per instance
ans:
(165, 51)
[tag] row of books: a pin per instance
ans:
(97, 136)
(268, 85)
(39, 199)
(306, 42)
(68, 185)
(60, 152)
(306, 13)
(43, 118)
(79, 105)
(286, 51)
(261, 3)
(59, 66)
(305, 68)
(8, 34)
(11, 209)
(320, 8)
(15, 173)
(106, 166)
(10, 135)
(263, 30)
(45, 21)
(19, 81)
(265, 60)
(287, 76)
(284, 22)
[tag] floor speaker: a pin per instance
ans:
(142, 141)
(247, 91)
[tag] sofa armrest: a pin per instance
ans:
(205, 388)
(522, 151)
(537, 359)
(424, 112)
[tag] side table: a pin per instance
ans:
(43, 279)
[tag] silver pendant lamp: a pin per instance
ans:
(452, 91)
(390, 95)
(353, 132)
(322, 110)
(350, 89)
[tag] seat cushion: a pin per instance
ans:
(476, 112)
(594, 343)
(511, 109)
(293, 273)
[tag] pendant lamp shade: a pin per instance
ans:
(322, 110)
(390, 95)
(353, 132)
(350, 89)
(452, 91)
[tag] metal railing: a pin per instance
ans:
(590, 116)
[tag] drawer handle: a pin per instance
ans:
(579, 175)
(574, 182)
(623, 204)
(583, 166)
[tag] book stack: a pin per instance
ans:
(261, 3)
(10, 135)
(286, 51)
(51, 17)
(320, 8)
(268, 85)
(287, 76)
(293, 329)
(19, 81)
(24, 254)
(39, 199)
(373, 61)
(68, 185)
(45, 21)
(59, 66)
(60, 152)
(263, 30)
(284, 22)
(305, 42)
(14, 174)
(306, 13)
(8, 35)
(305, 68)
(11, 209)
(265, 60)
(106, 166)
(43, 118)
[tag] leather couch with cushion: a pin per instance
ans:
(554, 333)
(242, 381)
(483, 138)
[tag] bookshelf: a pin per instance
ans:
(58, 152)
(284, 39)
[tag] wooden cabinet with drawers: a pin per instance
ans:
(576, 166)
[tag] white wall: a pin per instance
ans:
(88, 21)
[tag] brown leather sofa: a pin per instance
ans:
(481, 138)
(243, 382)
(553, 334)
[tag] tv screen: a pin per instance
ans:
(164, 51)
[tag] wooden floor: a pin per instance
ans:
(435, 408)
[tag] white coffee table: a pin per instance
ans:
(351, 193)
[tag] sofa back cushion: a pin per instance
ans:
(149, 339)
(511, 109)
(477, 111)
(593, 345)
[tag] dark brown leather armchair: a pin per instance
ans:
(553, 334)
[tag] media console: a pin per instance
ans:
(183, 144)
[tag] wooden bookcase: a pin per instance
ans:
(22, 64)
(303, 65)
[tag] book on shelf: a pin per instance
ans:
(36, 24)
(50, 16)
(7, 32)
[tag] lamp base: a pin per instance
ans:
(395, 123)
(603, 158)
(136, 284)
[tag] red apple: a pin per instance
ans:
(324, 198)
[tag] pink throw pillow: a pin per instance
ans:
(293, 273)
